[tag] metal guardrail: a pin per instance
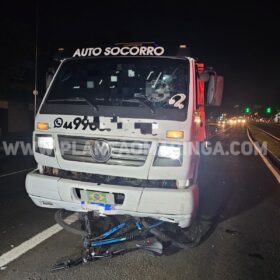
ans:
(271, 157)
(267, 133)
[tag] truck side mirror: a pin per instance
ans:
(49, 77)
(215, 90)
(204, 76)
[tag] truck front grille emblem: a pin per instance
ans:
(100, 150)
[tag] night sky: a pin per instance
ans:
(238, 40)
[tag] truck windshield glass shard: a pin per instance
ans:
(143, 84)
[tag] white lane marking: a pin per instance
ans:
(266, 161)
(16, 172)
(271, 135)
(33, 242)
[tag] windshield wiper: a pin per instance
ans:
(76, 99)
(141, 101)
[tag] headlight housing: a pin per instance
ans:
(44, 144)
(169, 155)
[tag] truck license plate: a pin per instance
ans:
(94, 197)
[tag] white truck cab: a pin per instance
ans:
(117, 133)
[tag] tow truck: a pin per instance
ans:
(117, 131)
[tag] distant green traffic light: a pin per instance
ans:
(268, 110)
(248, 110)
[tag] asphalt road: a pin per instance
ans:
(237, 192)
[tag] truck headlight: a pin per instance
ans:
(169, 155)
(172, 152)
(44, 144)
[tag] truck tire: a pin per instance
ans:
(59, 218)
(187, 239)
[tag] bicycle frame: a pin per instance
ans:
(102, 239)
(90, 243)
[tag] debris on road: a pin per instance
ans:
(232, 232)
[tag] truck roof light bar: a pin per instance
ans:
(183, 50)
(133, 44)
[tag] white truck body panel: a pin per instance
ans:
(175, 205)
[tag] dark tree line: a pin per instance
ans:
(17, 59)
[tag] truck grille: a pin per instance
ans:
(126, 153)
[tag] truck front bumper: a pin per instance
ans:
(172, 205)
